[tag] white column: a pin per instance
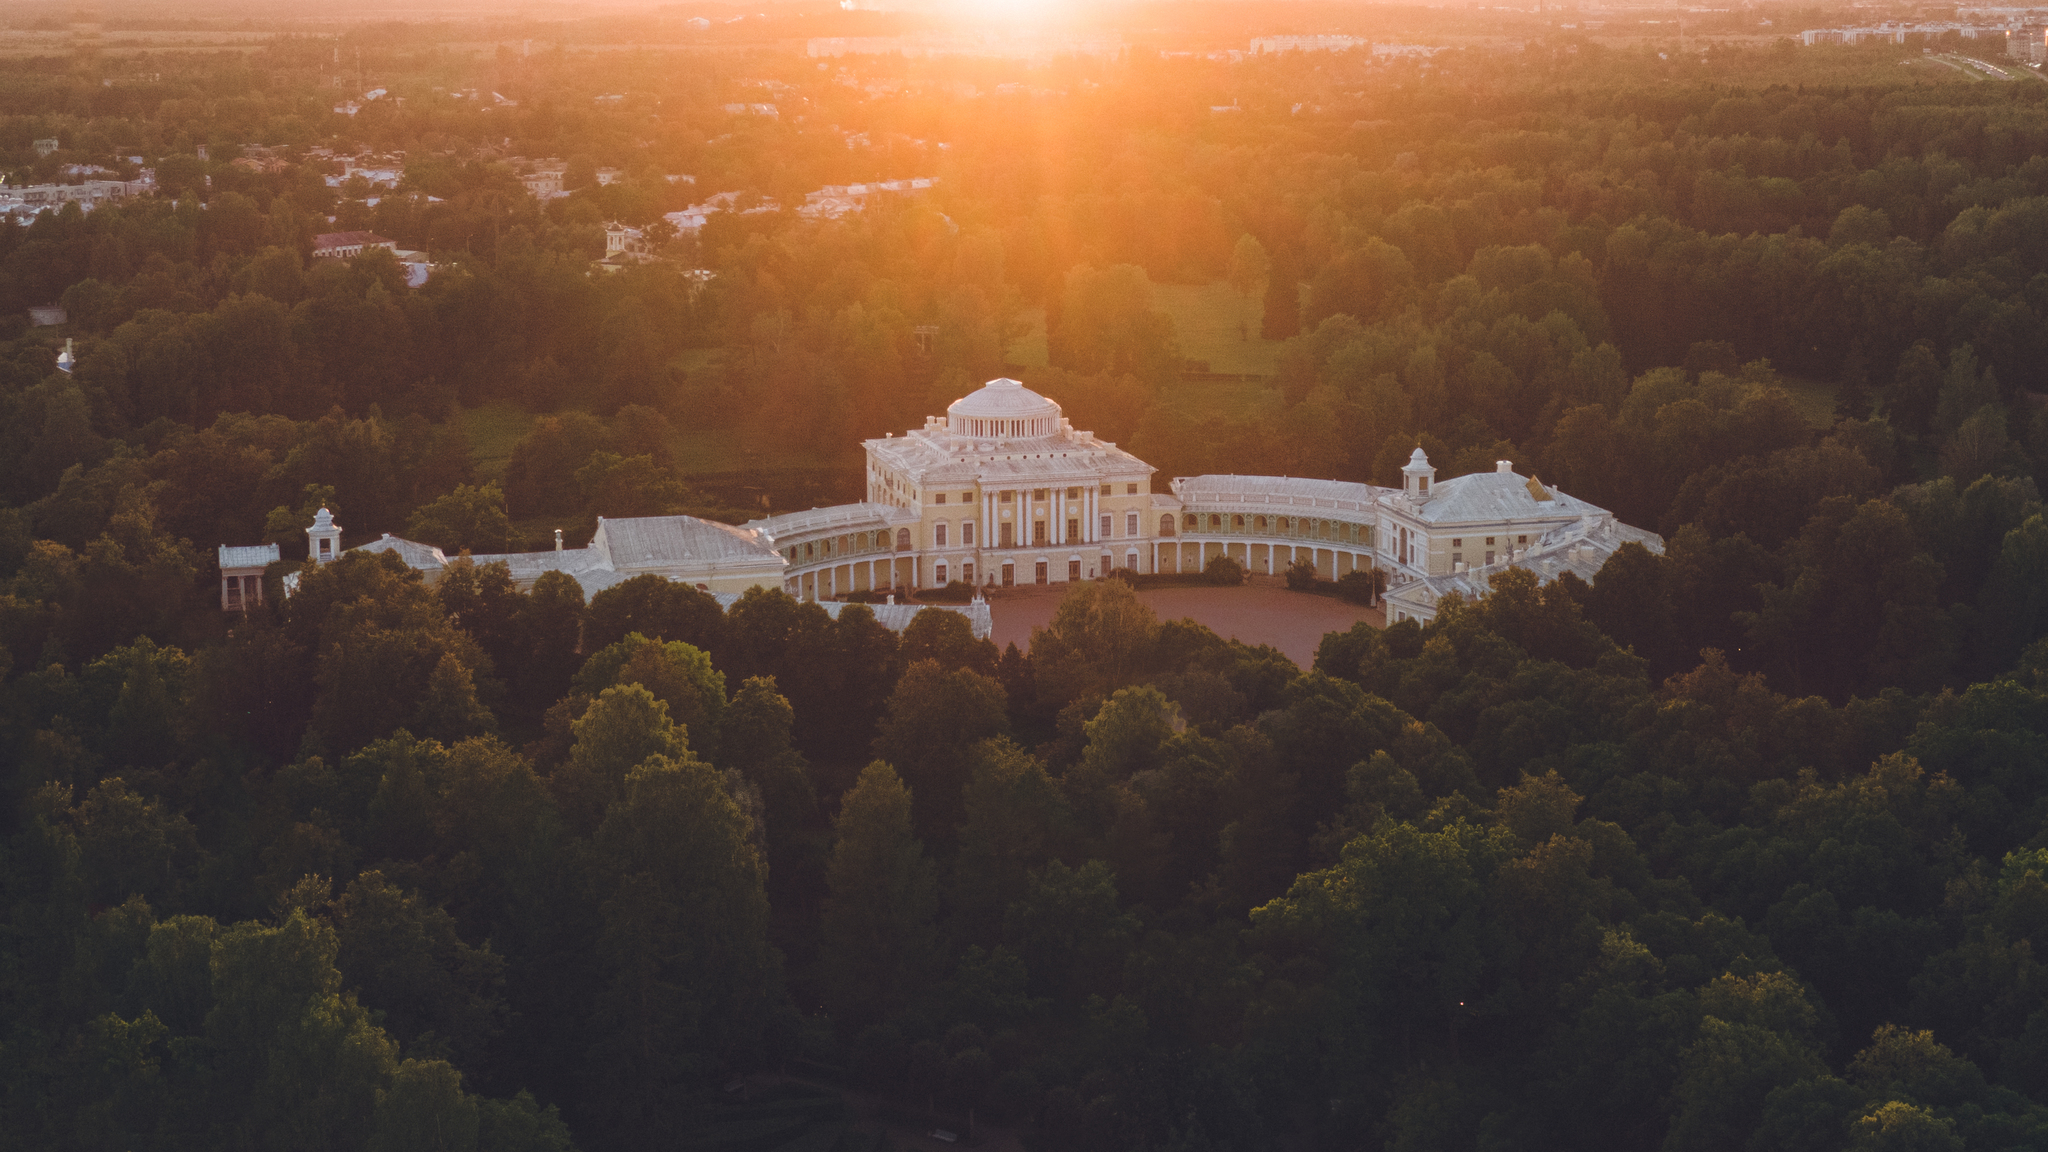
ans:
(1058, 526)
(1092, 530)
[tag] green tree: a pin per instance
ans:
(689, 979)
(622, 729)
(934, 718)
(401, 954)
(1108, 322)
(679, 675)
(878, 939)
(470, 519)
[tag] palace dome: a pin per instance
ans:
(1003, 409)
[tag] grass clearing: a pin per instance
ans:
(1220, 399)
(1213, 321)
(1029, 350)
(1816, 399)
(493, 430)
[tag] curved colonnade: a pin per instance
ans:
(1265, 523)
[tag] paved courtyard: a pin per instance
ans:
(1262, 612)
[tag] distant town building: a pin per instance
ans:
(1264, 45)
(987, 45)
(241, 575)
(347, 245)
(1897, 32)
(26, 200)
(2028, 45)
(44, 315)
(545, 181)
(836, 200)
(45, 147)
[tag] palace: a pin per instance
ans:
(1003, 491)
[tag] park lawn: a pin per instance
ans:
(492, 431)
(1029, 350)
(1207, 319)
(1205, 400)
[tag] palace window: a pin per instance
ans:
(1457, 558)
(1105, 526)
(1489, 544)
(1003, 497)
(1489, 559)
(967, 497)
(939, 498)
(1009, 535)
(1073, 532)
(1105, 490)
(1521, 539)
(1457, 542)
(1038, 532)
(967, 533)
(1259, 523)
(903, 539)
(1193, 521)
(1215, 521)
(1130, 523)
(1073, 493)
(809, 551)
(1166, 524)
(1039, 493)
(939, 574)
(1237, 521)
(939, 534)
(1130, 489)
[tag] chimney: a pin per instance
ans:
(1503, 465)
(558, 539)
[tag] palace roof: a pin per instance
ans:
(1491, 497)
(672, 541)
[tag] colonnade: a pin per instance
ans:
(1157, 555)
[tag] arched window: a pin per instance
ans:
(1259, 522)
(1193, 521)
(1166, 524)
(1215, 520)
(1237, 521)
(903, 539)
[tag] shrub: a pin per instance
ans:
(1360, 587)
(1224, 571)
(1301, 576)
(955, 592)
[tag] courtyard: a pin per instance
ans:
(1262, 611)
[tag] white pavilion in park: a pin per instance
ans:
(1003, 490)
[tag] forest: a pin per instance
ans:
(1743, 845)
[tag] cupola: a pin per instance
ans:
(1003, 409)
(323, 539)
(1418, 475)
